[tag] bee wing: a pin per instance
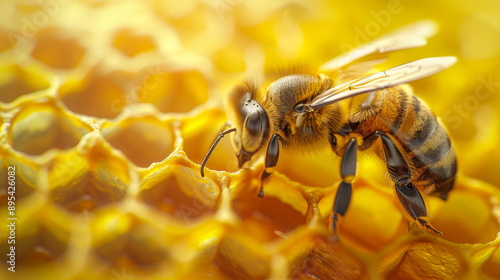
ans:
(398, 75)
(410, 36)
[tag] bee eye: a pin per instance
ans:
(253, 122)
(255, 128)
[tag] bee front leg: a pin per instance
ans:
(343, 196)
(272, 155)
(408, 194)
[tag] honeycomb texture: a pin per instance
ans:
(108, 108)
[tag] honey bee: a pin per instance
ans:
(343, 108)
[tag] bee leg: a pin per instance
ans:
(413, 203)
(272, 155)
(343, 196)
(408, 194)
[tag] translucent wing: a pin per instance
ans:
(410, 36)
(398, 75)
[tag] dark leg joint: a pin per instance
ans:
(343, 195)
(272, 155)
(407, 193)
(396, 164)
(340, 205)
(265, 175)
(348, 167)
(412, 200)
(342, 199)
(428, 226)
(413, 203)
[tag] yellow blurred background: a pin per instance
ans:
(105, 103)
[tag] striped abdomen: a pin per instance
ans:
(425, 142)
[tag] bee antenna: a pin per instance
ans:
(213, 147)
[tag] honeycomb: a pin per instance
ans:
(108, 108)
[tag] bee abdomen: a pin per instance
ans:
(435, 163)
(424, 141)
(418, 125)
(427, 145)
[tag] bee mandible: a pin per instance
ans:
(344, 108)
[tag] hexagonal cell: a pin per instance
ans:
(98, 94)
(53, 49)
(41, 248)
(25, 175)
(123, 237)
(43, 239)
(40, 127)
(428, 261)
(16, 81)
(242, 257)
(200, 132)
(87, 180)
(220, 250)
(467, 216)
(328, 261)
(175, 92)
(132, 44)
(180, 192)
(143, 140)
(86, 192)
(203, 240)
(282, 209)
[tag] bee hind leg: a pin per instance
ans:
(343, 195)
(407, 193)
(412, 201)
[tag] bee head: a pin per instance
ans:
(251, 122)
